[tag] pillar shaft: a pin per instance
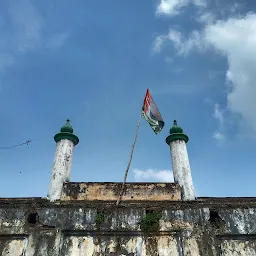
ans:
(61, 168)
(181, 169)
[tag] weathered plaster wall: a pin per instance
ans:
(11, 245)
(119, 245)
(236, 247)
(111, 190)
(206, 227)
(181, 169)
(61, 168)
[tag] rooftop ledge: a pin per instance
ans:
(109, 191)
(200, 202)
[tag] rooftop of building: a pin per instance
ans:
(200, 202)
(109, 191)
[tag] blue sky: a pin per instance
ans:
(92, 62)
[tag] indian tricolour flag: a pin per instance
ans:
(152, 114)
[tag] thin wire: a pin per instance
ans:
(22, 144)
(18, 145)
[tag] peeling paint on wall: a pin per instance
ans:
(181, 169)
(111, 190)
(12, 246)
(120, 245)
(61, 168)
(205, 227)
(238, 248)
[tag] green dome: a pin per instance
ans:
(176, 133)
(176, 128)
(66, 132)
(67, 127)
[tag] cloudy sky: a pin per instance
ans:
(92, 61)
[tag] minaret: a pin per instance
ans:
(180, 163)
(61, 171)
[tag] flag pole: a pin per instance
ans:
(130, 160)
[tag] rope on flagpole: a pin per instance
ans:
(129, 163)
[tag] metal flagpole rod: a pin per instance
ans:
(129, 163)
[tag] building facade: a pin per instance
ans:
(154, 219)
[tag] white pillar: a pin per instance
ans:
(180, 162)
(61, 172)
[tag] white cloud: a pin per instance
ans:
(153, 175)
(174, 7)
(235, 39)
(206, 18)
(182, 45)
(220, 137)
(173, 36)
(171, 7)
(200, 3)
(159, 42)
(218, 114)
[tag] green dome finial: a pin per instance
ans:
(176, 128)
(66, 132)
(176, 133)
(67, 127)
